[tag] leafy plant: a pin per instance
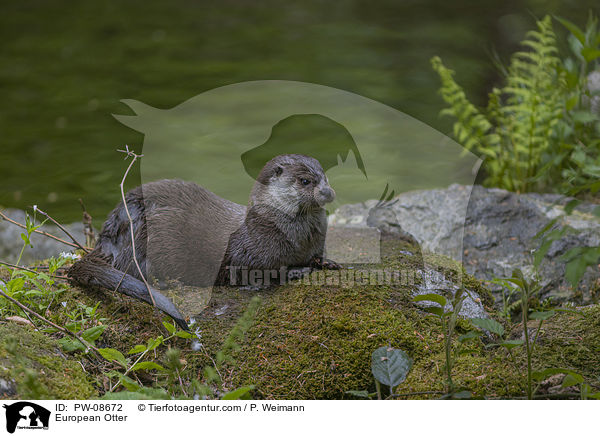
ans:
(537, 130)
(447, 317)
(527, 290)
(389, 366)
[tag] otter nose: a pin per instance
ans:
(327, 194)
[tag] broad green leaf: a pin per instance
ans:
(544, 374)
(183, 334)
(111, 354)
(153, 343)
(93, 333)
(434, 298)
(489, 325)
(170, 327)
(239, 393)
(590, 53)
(542, 315)
(70, 345)
(129, 384)
(137, 349)
(572, 379)
(390, 366)
(359, 394)
(435, 310)
(513, 343)
(573, 28)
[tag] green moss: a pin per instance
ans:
(316, 342)
(40, 371)
(306, 341)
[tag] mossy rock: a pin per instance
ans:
(306, 341)
(316, 342)
(34, 367)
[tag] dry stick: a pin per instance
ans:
(90, 237)
(56, 238)
(10, 265)
(37, 315)
(57, 224)
(135, 157)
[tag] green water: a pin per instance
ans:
(65, 66)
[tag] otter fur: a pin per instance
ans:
(185, 232)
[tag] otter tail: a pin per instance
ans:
(94, 271)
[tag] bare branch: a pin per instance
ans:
(135, 157)
(87, 345)
(57, 224)
(13, 266)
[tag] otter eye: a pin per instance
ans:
(305, 182)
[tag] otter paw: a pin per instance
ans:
(321, 263)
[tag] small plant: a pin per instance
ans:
(447, 318)
(528, 289)
(389, 366)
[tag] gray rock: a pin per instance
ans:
(7, 388)
(491, 231)
(43, 247)
(434, 281)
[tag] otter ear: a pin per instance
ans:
(278, 171)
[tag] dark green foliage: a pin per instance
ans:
(538, 131)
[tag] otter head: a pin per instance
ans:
(292, 183)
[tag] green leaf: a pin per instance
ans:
(434, 298)
(70, 345)
(571, 205)
(93, 333)
(435, 310)
(542, 315)
(153, 343)
(590, 54)
(390, 366)
(571, 27)
(183, 334)
(129, 384)
(462, 395)
(489, 325)
(572, 379)
(170, 327)
(111, 354)
(359, 394)
(544, 374)
(513, 343)
(240, 393)
(137, 349)
(147, 365)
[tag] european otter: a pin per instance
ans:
(185, 232)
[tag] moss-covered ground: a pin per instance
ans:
(306, 341)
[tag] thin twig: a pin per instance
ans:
(56, 238)
(57, 224)
(135, 157)
(87, 345)
(10, 265)
(88, 228)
